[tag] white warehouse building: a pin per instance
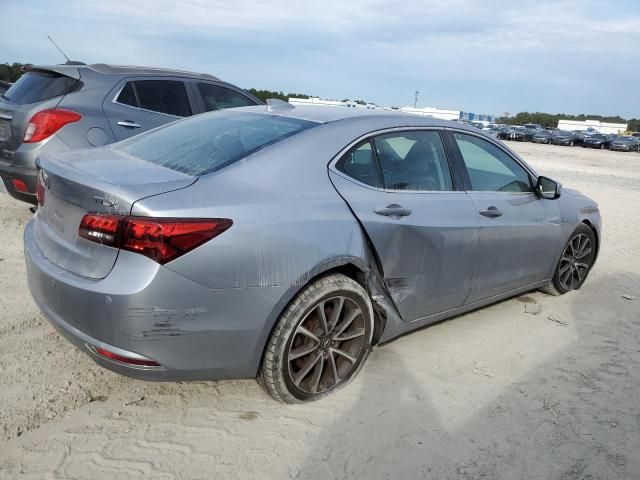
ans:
(597, 125)
(434, 112)
(455, 115)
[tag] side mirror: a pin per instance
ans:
(548, 189)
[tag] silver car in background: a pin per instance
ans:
(283, 243)
(58, 108)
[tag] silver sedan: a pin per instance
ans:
(282, 243)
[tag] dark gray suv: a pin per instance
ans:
(64, 107)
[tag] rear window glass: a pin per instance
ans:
(207, 142)
(35, 87)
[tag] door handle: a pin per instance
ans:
(393, 210)
(129, 124)
(491, 212)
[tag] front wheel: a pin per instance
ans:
(575, 262)
(319, 342)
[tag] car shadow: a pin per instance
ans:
(500, 393)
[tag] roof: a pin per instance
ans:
(326, 114)
(103, 68)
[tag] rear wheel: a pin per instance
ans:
(575, 262)
(320, 341)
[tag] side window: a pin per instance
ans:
(413, 160)
(127, 95)
(163, 96)
(491, 169)
(360, 164)
(216, 97)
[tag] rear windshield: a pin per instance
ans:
(35, 87)
(204, 143)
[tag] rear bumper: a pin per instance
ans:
(142, 308)
(21, 165)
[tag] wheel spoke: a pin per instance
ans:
(306, 369)
(581, 265)
(302, 350)
(564, 280)
(584, 253)
(334, 368)
(323, 317)
(344, 354)
(335, 314)
(306, 332)
(355, 333)
(348, 321)
(317, 374)
(564, 267)
(577, 270)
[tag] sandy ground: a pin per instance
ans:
(497, 394)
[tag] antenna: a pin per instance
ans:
(59, 49)
(415, 101)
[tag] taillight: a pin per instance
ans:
(161, 239)
(19, 185)
(47, 122)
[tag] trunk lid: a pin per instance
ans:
(99, 181)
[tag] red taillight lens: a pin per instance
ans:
(101, 228)
(121, 358)
(161, 239)
(19, 185)
(47, 122)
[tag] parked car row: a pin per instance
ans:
(585, 138)
(97, 105)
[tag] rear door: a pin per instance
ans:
(140, 104)
(424, 230)
(519, 232)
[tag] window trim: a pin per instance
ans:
(459, 160)
(457, 186)
(135, 91)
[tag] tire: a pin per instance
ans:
(307, 358)
(576, 259)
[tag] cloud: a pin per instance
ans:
(481, 56)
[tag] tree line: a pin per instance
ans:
(548, 120)
(11, 73)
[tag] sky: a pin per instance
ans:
(490, 56)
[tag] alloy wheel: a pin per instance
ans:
(575, 262)
(326, 345)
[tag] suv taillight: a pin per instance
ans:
(161, 239)
(47, 122)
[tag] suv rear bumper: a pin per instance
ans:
(21, 165)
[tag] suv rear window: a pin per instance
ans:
(208, 142)
(37, 86)
(163, 96)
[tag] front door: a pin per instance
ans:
(519, 232)
(423, 230)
